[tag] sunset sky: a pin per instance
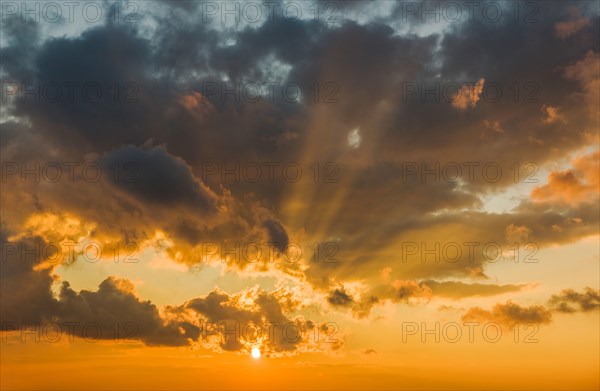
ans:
(300, 195)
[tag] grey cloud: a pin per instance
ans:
(114, 303)
(159, 178)
(570, 301)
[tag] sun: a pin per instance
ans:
(255, 353)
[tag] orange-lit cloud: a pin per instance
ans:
(575, 185)
(468, 96)
(508, 314)
(576, 23)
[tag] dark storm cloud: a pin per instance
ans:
(26, 295)
(277, 234)
(27, 275)
(158, 183)
(105, 92)
(115, 303)
(369, 58)
(159, 178)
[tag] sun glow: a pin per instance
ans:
(255, 353)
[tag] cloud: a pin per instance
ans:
(277, 234)
(359, 304)
(115, 312)
(339, 297)
(468, 96)
(25, 288)
(575, 24)
(567, 301)
(28, 300)
(570, 301)
(159, 178)
(412, 292)
(585, 72)
(460, 290)
(174, 127)
(576, 185)
(552, 115)
(257, 318)
(115, 303)
(508, 314)
(403, 291)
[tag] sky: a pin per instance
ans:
(303, 195)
